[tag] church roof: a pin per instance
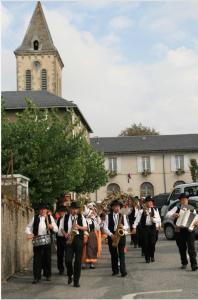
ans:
(15, 101)
(146, 144)
(38, 30)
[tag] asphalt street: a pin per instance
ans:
(161, 279)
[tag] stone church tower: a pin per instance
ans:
(39, 65)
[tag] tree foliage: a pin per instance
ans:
(138, 130)
(194, 170)
(46, 150)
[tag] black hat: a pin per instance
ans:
(75, 204)
(183, 195)
(115, 203)
(41, 205)
(148, 198)
(61, 208)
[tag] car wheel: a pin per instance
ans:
(169, 232)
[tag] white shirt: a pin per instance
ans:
(71, 218)
(61, 226)
(42, 230)
(116, 219)
(156, 218)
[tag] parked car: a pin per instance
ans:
(168, 223)
(190, 189)
(160, 200)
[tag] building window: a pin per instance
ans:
(179, 162)
(44, 79)
(146, 164)
(28, 80)
(113, 188)
(113, 164)
(36, 45)
(146, 189)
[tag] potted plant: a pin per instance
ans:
(179, 172)
(112, 174)
(146, 172)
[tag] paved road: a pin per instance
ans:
(162, 279)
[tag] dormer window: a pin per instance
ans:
(36, 45)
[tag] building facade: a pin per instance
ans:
(147, 165)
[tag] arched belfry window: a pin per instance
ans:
(43, 79)
(28, 80)
(36, 45)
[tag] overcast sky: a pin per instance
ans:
(125, 61)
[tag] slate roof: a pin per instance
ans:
(15, 100)
(146, 144)
(38, 30)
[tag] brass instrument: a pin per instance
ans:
(119, 232)
(73, 233)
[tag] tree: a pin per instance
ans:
(138, 129)
(95, 174)
(194, 170)
(46, 150)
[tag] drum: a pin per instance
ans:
(41, 240)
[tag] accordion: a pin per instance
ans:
(41, 240)
(186, 219)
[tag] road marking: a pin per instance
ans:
(132, 296)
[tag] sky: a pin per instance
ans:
(125, 61)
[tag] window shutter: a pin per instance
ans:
(119, 164)
(186, 163)
(152, 163)
(106, 163)
(173, 163)
(139, 164)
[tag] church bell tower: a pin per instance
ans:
(39, 65)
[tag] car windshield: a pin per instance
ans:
(191, 190)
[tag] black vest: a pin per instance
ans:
(65, 222)
(36, 224)
(111, 222)
(131, 216)
(144, 216)
(79, 222)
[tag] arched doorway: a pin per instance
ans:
(113, 188)
(178, 182)
(146, 189)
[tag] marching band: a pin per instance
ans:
(81, 229)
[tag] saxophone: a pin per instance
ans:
(119, 232)
(73, 233)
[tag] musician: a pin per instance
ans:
(185, 239)
(113, 220)
(92, 245)
(132, 216)
(41, 224)
(60, 238)
(75, 225)
(147, 218)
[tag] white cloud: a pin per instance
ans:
(113, 95)
(6, 19)
(121, 22)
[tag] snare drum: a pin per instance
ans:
(41, 240)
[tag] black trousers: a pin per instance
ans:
(70, 251)
(42, 260)
(185, 240)
(61, 248)
(149, 241)
(117, 252)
